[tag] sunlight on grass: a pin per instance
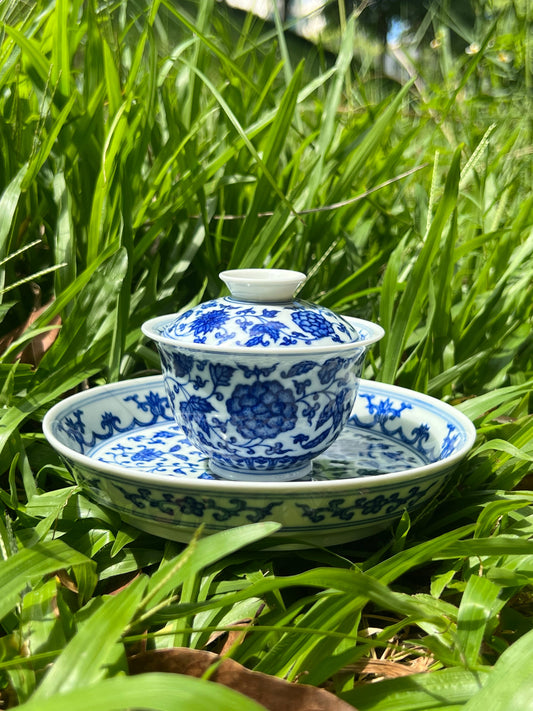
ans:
(146, 146)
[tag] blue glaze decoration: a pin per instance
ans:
(227, 321)
(366, 505)
(386, 415)
(143, 498)
(261, 418)
(127, 453)
(368, 444)
(154, 404)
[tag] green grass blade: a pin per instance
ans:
(201, 553)
(64, 242)
(497, 545)
(275, 140)
(48, 143)
(242, 133)
(44, 393)
(448, 688)
(189, 23)
(481, 405)
(413, 297)
(60, 68)
(8, 206)
(509, 685)
(85, 657)
(376, 132)
(477, 610)
(32, 51)
(153, 692)
(112, 79)
(32, 564)
(98, 237)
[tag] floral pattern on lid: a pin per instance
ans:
(254, 317)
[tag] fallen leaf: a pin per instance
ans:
(525, 483)
(37, 347)
(273, 693)
(235, 637)
(383, 668)
(66, 581)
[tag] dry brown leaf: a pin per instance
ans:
(37, 347)
(525, 483)
(120, 582)
(234, 637)
(273, 693)
(66, 581)
(239, 628)
(421, 664)
(383, 668)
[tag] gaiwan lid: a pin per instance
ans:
(260, 313)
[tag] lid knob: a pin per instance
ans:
(263, 285)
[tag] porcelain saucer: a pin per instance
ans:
(125, 450)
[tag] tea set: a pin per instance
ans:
(260, 414)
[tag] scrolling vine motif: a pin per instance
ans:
(188, 505)
(155, 405)
(374, 506)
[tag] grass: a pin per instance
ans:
(143, 148)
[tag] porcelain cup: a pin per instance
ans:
(260, 383)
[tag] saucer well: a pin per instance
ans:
(125, 450)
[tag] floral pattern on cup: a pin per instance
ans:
(227, 321)
(264, 418)
(262, 409)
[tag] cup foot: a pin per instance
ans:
(259, 475)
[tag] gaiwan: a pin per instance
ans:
(259, 381)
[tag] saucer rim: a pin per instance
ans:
(362, 482)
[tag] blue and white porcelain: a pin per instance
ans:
(127, 452)
(258, 382)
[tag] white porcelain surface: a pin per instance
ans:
(260, 326)
(263, 285)
(261, 386)
(125, 449)
(261, 417)
(259, 330)
(260, 315)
